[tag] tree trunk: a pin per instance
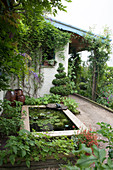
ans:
(94, 82)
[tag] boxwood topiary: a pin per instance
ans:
(61, 83)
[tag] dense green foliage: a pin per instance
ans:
(40, 42)
(92, 75)
(28, 147)
(74, 70)
(105, 94)
(52, 98)
(9, 55)
(100, 48)
(105, 86)
(61, 83)
(95, 160)
(105, 97)
(16, 18)
(10, 120)
(22, 145)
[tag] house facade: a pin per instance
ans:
(75, 43)
(48, 71)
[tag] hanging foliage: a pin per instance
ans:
(38, 42)
(12, 15)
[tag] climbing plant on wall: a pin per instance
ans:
(100, 48)
(12, 15)
(37, 41)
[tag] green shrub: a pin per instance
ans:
(61, 83)
(54, 98)
(95, 160)
(71, 104)
(105, 96)
(48, 98)
(61, 90)
(87, 137)
(10, 120)
(60, 75)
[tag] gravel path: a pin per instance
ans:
(90, 114)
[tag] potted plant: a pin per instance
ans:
(51, 62)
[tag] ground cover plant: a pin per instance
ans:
(27, 147)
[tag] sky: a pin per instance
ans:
(86, 14)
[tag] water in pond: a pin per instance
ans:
(49, 120)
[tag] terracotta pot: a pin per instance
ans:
(18, 92)
(11, 96)
(46, 63)
(21, 98)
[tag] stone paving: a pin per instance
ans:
(90, 114)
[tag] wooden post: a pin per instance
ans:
(25, 117)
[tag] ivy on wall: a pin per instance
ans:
(16, 16)
(37, 41)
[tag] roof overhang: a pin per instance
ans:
(77, 34)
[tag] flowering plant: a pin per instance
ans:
(86, 137)
(106, 96)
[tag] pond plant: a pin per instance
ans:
(49, 119)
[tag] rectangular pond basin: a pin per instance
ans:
(54, 124)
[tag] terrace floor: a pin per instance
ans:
(90, 114)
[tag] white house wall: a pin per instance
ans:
(49, 72)
(48, 75)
